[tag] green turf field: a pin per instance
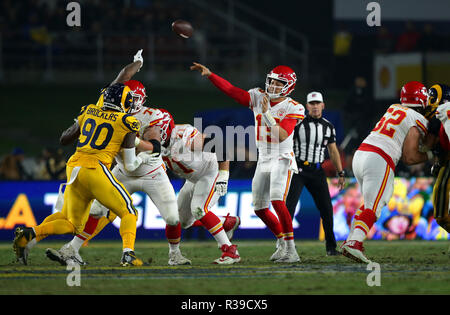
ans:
(406, 267)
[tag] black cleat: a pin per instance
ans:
(22, 235)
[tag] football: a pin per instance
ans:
(182, 28)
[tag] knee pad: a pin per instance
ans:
(197, 213)
(172, 220)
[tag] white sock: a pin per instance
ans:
(76, 243)
(174, 247)
(31, 244)
(222, 238)
(358, 235)
(290, 244)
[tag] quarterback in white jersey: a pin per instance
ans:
(398, 135)
(276, 116)
(183, 154)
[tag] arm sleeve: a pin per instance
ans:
(130, 160)
(288, 124)
(239, 95)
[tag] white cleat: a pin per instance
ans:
(230, 255)
(230, 225)
(281, 250)
(66, 254)
(355, 251)
(177, 259)
(290, 256)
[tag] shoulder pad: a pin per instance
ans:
(131, 122)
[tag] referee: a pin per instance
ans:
(311, 137)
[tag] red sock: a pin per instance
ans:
(365, 220)
(271, 221)
(212, 223)
(285, 218)
(173, 233)
(197, 223)
(89, 228)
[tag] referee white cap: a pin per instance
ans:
(314, 96)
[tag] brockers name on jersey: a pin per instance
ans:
(390, 132)
(184, 162)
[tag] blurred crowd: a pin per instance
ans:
(50, 165)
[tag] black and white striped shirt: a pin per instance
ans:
(311, 137)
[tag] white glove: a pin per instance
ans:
(441, 112)
(222, 182)
(138, 57)
(148, 157)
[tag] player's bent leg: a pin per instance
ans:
(113, 195)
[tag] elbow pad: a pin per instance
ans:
(130, 160)
(156, 145)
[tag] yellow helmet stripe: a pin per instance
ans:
(438, 89)
(125, 92)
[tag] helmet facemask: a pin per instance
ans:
(138, 100)
(283, 75)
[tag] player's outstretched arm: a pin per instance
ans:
(70, 134)
(130, 70)
(239, 95)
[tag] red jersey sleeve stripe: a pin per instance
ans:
(424, 129)
(295, 116)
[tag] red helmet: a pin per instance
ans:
(138, 93)
(414, 94)
(165, 122)
(283, 74)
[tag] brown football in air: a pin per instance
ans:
(182, 28)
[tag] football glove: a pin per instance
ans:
(222, 183)
(138, 57)
(148, 157)
(441, 112)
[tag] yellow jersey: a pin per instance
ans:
(101, 136)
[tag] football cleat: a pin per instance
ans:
(229, 255)
(281, 250)
(177, 259)
(66, 254)
(22, 235)
(290, 256)
(230, 225)
(129, 259)
(354, 250)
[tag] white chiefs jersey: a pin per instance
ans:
(147, 117)
(390, 132)
(184, 162)
(268, 145)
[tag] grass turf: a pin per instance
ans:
(406, 267)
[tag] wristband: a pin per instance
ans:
(137, 141)
(341, 173)
(223, 175)
(268, 119)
